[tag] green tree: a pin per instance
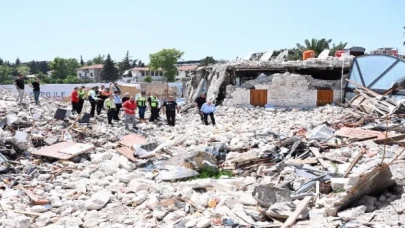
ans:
(17, 61)
(338, 47)
(43, 77)
(1, 61)
(110, 72)
(89, 62)
(71, 79)
(141, 64)
(61, 68)
(207, 61)
(5, 74)
(125, 64)
(148, 79)
(134, 63)
(81, 61)
(166, 60)
(23, 70)
(43, 67)
(98, 59)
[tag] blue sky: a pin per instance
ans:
(224, 29)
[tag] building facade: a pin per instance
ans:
(138, 74)
(92, 72)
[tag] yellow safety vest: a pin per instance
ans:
(108, 103)
(154, 102)
(81, 94)
(141, 102)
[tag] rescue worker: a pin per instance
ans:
(75, 100)
(208, 109)
(99, 100)
(199, 103)
(129, 109)
(118, 105)
(81, 93)
(170, 106)
(109, 106)
(141, 103)
(153, 106)
(92, 96)
(125, 98)
(114, 88)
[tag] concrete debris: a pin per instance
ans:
(258, 167)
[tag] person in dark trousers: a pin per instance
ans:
(93, 100)
(199, 103)
(125, 98)
(19, 85)
(141, 103)
(153, 106)
(118, 105)
(35, 88)
(75, 100)
(100, 99)
(109, 106)
(82, 94)
(208, 109)
(114, 88)
(170, 106)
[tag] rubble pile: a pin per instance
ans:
(258, 167)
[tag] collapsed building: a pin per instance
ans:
(309, 83)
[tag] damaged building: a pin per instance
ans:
(304, 84)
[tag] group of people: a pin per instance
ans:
(111, 101)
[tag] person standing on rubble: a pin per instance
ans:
(153, 106)
(36, 90)
(208, 109)
(103, 94)
(75, 100)
(109, 106)
(125, 98)
(118, 105)
(170, 106)
(129, 109)
(92, 96)
(81, 93)
(199, 103)
(114, 88)
(141, 103)
(19, 85)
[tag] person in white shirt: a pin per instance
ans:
(92, 99)
(208, 109)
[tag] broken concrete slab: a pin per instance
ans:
(64, 150)
(266, 195)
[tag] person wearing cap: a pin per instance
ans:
(199, 103)
(154, 107)
(81, 93)
(170, 106)
(141, 103)
(75, 100)
(110, 107)
(208, 109)
(125, 98)
(129, 109)
(118, 105)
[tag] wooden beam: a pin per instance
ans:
(318, 156)
(354, 162)
(300, 208)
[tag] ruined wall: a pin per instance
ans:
(284, 90)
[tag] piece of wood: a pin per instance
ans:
(300, 208)
(72, 150)
(361, 134)
(131, 139)
(318, 156)
(333, 159)
(26, 212)
(305, 161)
(354, 162)
(390, 140)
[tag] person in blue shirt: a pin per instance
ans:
(118, 105)
(208, 109)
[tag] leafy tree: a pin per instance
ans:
(81, 61)
(141, 64)
(98, 59)
(338, 47)
(71, 79)
(207, 61)
(166, 60)
(43, 77)
(1, 61)
(34, 67)
(109, 72)
(43, 67)
(134, 63)
(17, 62)
(23, 70)
(61, 68)
(89, 62)
(318, 46)
(125, 64)
(148, 79)
(5, 73)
